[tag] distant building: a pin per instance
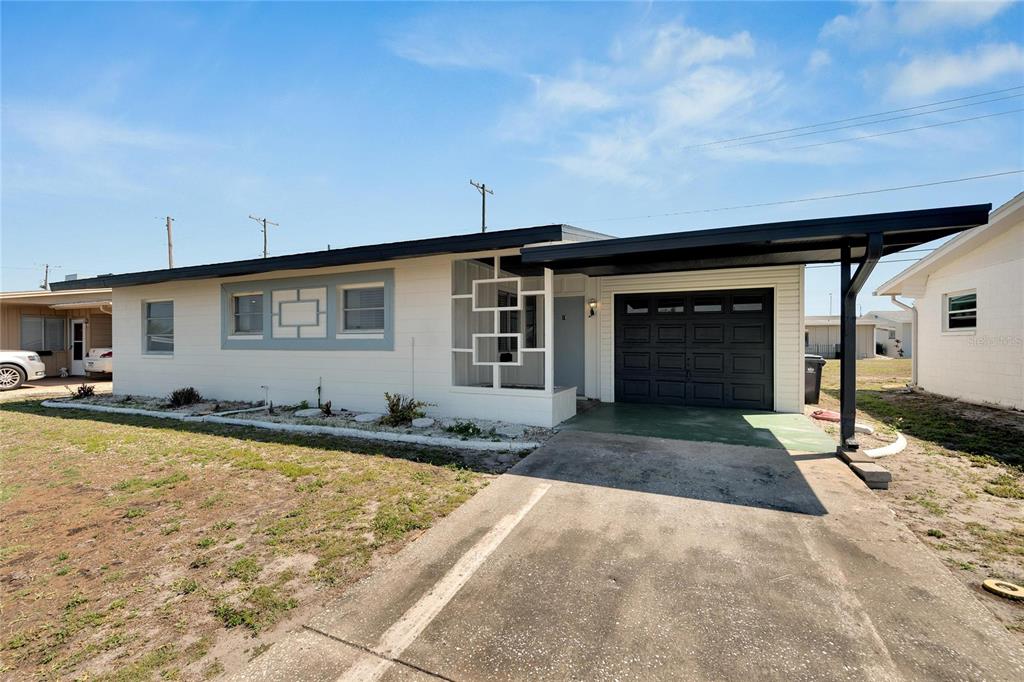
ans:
(821, 336)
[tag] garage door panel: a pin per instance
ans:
(672, 391)
(671, 361)
(756, 333)
(636, 360)
(708, 333)
(751, 394)
(670, 333)
(708, 362)
(695, 348)
(636, 334)
(749, 364)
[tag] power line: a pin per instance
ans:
(907, 130)
(858, 125)
(882, 262)
(853, 118)
(800, 201)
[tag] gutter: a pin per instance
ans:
(913, 336)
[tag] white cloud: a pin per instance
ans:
(926, 75)
(818, 60)
(677, 46)
(873, 21)
(571, 94)
(74, 132)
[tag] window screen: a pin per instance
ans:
(364, 309)
(160, 327)
(42, 333)
(248, 314)
(962, 311)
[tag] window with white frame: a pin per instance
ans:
(247, 314)
(362, 309)
(159, 327)
(960, 311)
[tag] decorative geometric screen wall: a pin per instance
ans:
(299, 313)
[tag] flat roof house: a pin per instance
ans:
(509, 325)
(821, 335)
(59, 325)
(969, 303)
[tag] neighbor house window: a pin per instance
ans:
(961, 311)
(248, 314)
(159, 328)
(42, 333)
(363, 309)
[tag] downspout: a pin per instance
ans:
(913, 337)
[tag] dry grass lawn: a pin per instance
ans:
(959, 484)
(133, 548)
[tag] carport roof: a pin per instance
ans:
(794, 242)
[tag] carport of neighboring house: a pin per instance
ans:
(708, 319)
(61, 326)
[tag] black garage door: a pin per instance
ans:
(710, 348)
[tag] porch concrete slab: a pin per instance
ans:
(793, 432)
(646, 558)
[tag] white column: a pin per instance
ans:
(549, 330)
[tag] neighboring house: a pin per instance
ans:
(510, 325)
(969, 299)
(901, 324)
(821, 335)
(60, 325)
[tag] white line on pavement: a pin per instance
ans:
(413, 622)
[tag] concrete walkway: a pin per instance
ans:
(606, 557)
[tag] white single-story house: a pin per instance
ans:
(512, 325)
(821, 335)
(901, 322)
(969, 302)
(61, 326)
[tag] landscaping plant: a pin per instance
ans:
(325, 409)
(181, 397)
(402, 409)
(84, 391)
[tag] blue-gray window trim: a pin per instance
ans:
(333, 283)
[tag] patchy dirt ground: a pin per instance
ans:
(959, 485)
(133, 547)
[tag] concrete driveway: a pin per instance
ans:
(609, 557)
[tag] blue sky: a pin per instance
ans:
(352, 124)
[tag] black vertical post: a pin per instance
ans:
(848, 349)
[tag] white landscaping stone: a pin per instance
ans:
(366, 418)
(309, 412)
(423, 423)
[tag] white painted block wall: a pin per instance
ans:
(986, 365)
(354, 380)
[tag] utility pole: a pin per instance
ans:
(46, 277)
(484, 191)
(264, 222)
(170, 243)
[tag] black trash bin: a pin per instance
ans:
(813, 365)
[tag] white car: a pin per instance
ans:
(99, 361)
(19, 366)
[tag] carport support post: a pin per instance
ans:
(850, 286)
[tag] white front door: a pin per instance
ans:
(78, 349)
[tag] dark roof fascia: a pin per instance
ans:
(465, 243)
(902, 228)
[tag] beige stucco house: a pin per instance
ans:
(969, 301)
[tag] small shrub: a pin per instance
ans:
(325, 409)
(83, 391)
(402, 409)
(126, 399)
(304, 405)
(935, 533)
(465, 429)
(182, 397)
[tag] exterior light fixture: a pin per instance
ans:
(593, 306)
